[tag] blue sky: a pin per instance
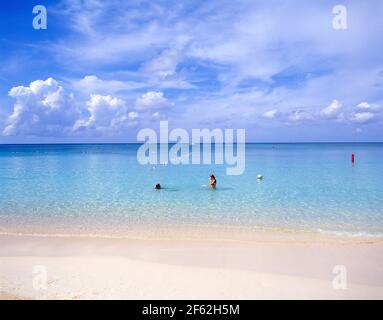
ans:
(104, 69)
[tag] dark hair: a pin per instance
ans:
(158, 186)
(212, 176)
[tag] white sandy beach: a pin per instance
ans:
(100, 268)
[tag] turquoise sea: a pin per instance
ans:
(311, 187)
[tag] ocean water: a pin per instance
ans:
(312, 187)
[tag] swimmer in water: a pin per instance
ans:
(213, 181)
(158, 186)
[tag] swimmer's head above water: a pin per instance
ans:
(158, 186)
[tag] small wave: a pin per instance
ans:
(356, 234)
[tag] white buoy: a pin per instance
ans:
(259, 177)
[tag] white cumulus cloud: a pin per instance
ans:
(362, 117)
(152, 100)
(271, 114)
(332, 110)
(299, 116)
(105, 113)
(365, 106)
(45, 108)
(42, 108)
(133, 115)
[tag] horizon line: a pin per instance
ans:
(124, 143)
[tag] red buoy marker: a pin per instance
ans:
(353, 158)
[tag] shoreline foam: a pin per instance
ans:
(227, 233)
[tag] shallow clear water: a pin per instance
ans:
(305, 186)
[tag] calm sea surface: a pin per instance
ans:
(310, 187)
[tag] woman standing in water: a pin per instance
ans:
(213, 181)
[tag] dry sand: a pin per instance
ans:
(277, 267)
